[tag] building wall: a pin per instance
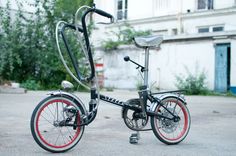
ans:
(26, 5)
(219, 4)
(186, 49)
(233, 62)
(156, 8)
(178, 58)
(140, 9)
(192, 23)
(187, 23)
(171, 60)
(117, 72)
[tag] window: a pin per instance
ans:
(203, 30)
(216, 29)
(174, 31)
(204, 4)
(122, 6)
(211, 29)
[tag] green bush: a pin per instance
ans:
(31, 85)
(193, 84)
(124, 36)
(28, 53)
(110, 45)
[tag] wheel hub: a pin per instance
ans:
(56, 123)
(169, 125)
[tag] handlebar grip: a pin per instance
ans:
(103, 13)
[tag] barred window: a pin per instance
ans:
(122, 9)
(207, 29)
(217, 29)
(205, 4)
(203, 30)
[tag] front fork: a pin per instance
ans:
(92, 107)
(88, 117)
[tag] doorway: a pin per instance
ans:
(222, 67)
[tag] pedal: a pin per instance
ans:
(133, 139)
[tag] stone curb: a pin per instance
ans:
(11, 90)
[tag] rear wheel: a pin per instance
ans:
(171, 131)
(48, 123)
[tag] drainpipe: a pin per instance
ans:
(179, 18)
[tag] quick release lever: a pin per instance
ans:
(126, 58)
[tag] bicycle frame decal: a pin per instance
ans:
(111, 100)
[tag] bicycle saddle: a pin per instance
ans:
(148, 41)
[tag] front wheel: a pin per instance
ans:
(167, 130)
(48, 123)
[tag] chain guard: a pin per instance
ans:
(134, 120)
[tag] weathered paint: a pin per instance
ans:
(221, 59)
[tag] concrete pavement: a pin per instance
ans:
(213, 129)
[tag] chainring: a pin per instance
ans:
(134, 119)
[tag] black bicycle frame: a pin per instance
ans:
(114, 101)
(87, 42)
(145, 96)
(126, 105)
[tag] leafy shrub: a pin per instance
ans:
(110, 45)
(129, 33)
(124, 36)
(28, 53)
(193, 84)
(31, 85)
(109, 89)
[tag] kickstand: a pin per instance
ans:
(133, 139)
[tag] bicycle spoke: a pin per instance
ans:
(51, 112)
(69, 131)
(47, 120)
(48, 129)
(45, 112)
(47, 134)
(63, 117)
(179, 111)
(57, 139)
(57, 110)
(169, 131)
(62, 136)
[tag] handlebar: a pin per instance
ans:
(90, 57)
(103, 13)
(84, 31)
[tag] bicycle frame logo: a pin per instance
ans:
(111, 100)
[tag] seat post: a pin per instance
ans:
(146, 66)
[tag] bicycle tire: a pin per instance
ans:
(164, 129)
(41, 135)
